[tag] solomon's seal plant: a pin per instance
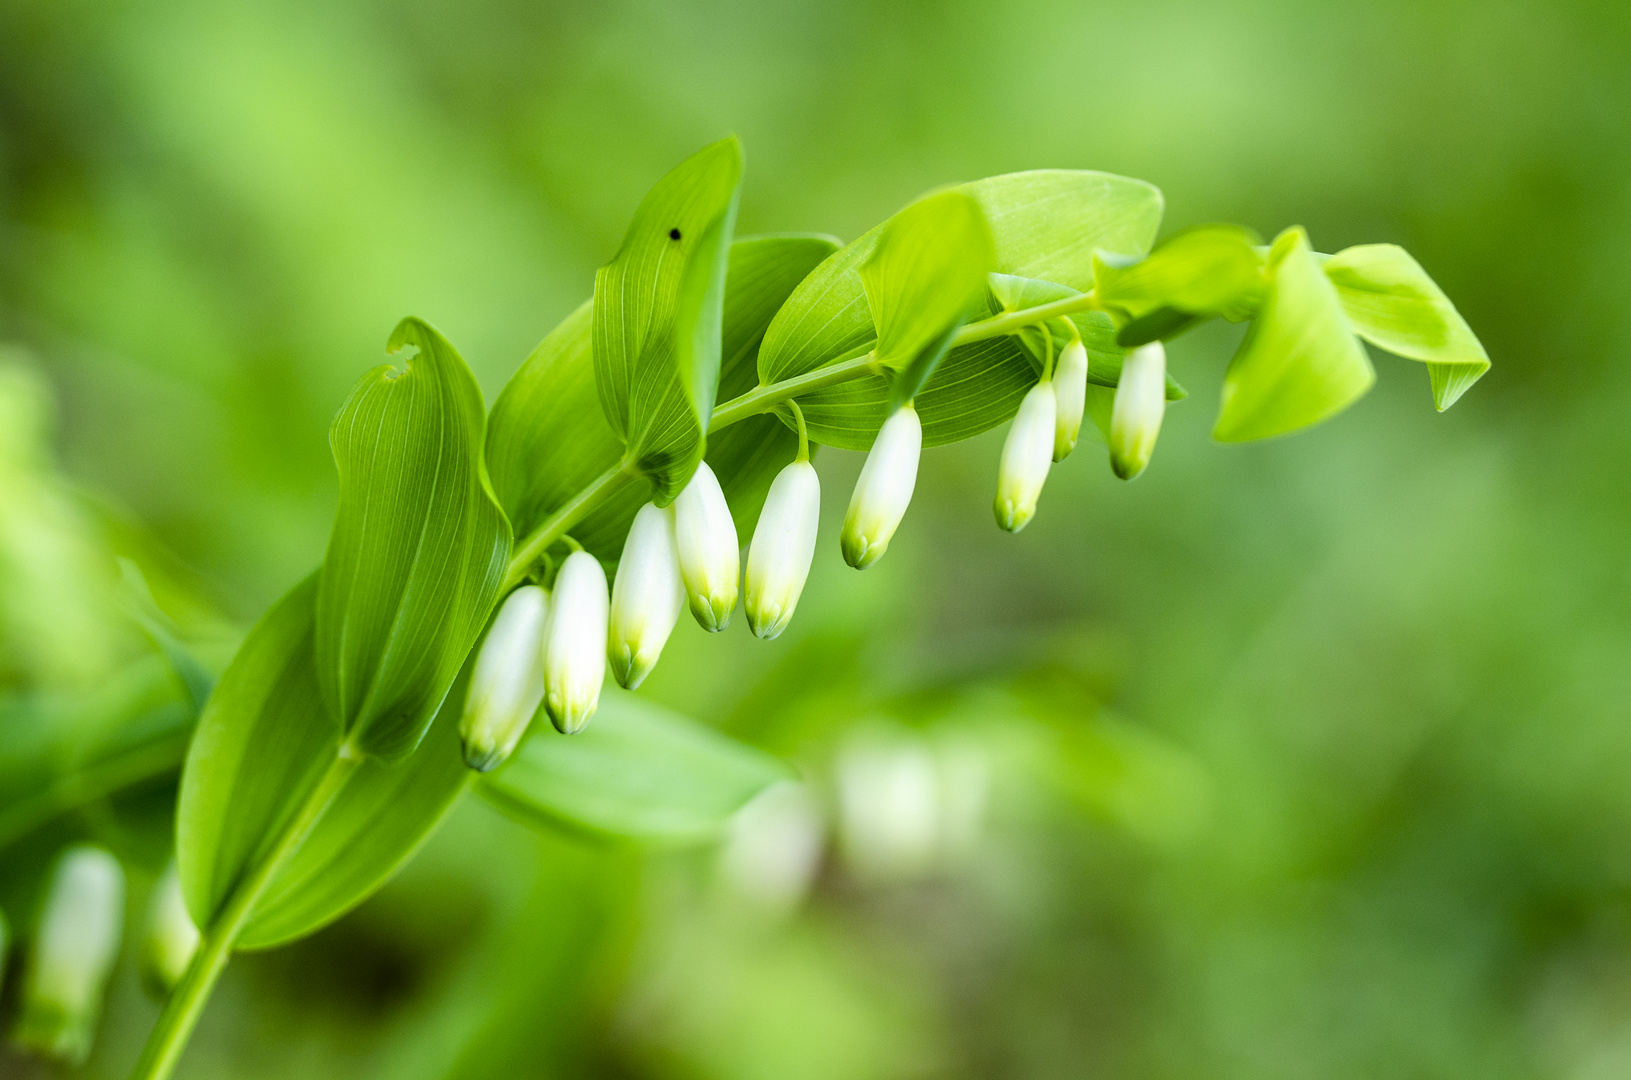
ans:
(464, 592)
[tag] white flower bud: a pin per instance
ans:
(710, 556)
(646, 597)
(783, 545)
(171, 939)
(575, 643)
(74, 950)
(1027, 454)
(1135, 420)
(508, 680)
(884, 489)
(1070, 389)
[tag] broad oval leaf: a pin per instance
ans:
(665, 284)
(548, 437)
(1044, 224)
(382, 816)
(419, 545)
(639, 772)
(1393, 304)
(261, 742)
(1300, 362)
(926, 274)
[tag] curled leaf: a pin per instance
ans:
(418, 549)
(1300, 362)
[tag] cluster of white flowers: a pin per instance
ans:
(551, 651)
(1050, 420)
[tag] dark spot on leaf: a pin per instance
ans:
(674, 234)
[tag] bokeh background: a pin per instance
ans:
(1302, 759)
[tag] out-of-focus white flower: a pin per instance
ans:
(74, 950)
(909, 804)
(646, 597)
(783, 545)
(575, 643)
(1027, 454)
(508, 680)
(1141, 399)
(884, 489)
(710, 556)
(773, 847)
(1070, 392)
(171, 938)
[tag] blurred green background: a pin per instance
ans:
(1302, 759)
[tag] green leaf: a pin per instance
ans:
(1393, 304)
(925, 274)
(548, 437)
(262, 741)
(382, 816)
(657, 316)
(1207, 270)
(1045, 225)
(1162, 324)
(419, 545)
(909, 382)
(1300, 362)
(259, 742)
(639, 772)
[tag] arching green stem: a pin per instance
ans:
(186, 1003)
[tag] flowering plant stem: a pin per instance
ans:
(759, 400)
(186, 1002)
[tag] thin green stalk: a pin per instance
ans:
(555, 526)
(1012, 321)
(175, 1024)
(764, 398)
(804, 432)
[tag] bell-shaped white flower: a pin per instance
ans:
(1141, 399)
(171, 938)
(646, 596)
(710, 556)
(1027, 454)
(575, 643)
(508, 681)
(1070, 392)
(783, 545)
(74, 950)
(884, 489)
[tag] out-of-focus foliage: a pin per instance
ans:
(1297, 759)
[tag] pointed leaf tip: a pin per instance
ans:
(1300, 363)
